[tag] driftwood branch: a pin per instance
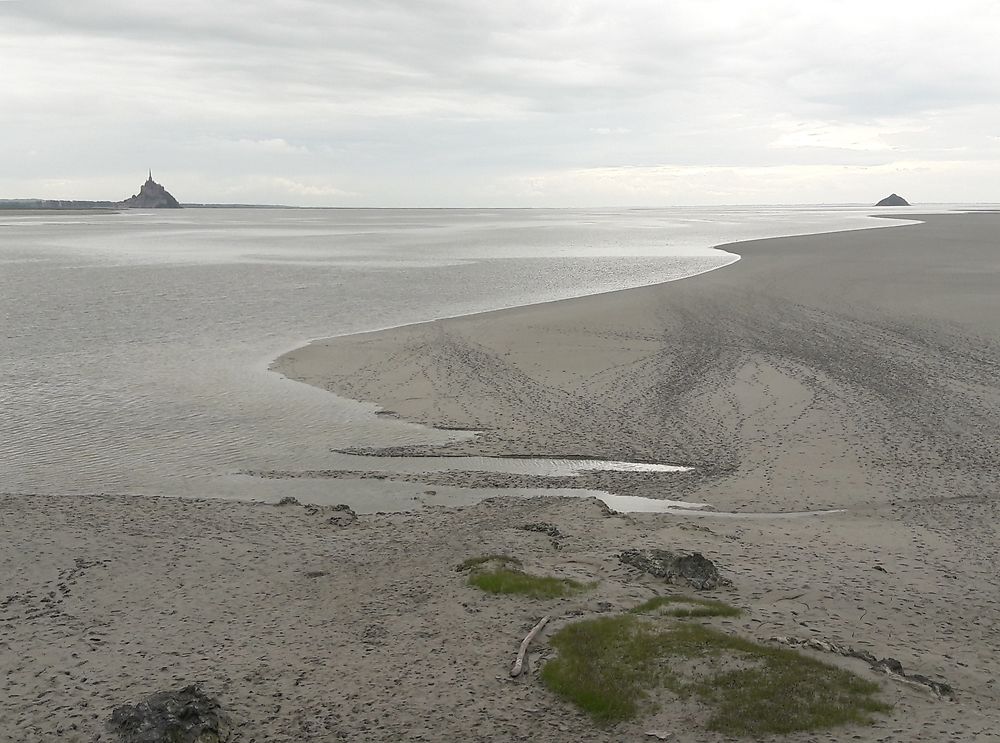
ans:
(519, 663)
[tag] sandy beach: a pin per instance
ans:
(856, 371)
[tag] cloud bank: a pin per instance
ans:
(474, 103)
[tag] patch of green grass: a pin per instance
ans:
(507, 580)
(605, 666)
(784, 692)
(609, 666)
(502, 574)
(685, 606)
(478, 562)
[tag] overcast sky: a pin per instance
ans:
(501, 103)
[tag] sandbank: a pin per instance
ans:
(853, 369)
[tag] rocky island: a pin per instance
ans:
(151, 196)
(893, 200)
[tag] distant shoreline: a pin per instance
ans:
(84, 205)
(37, 205)
(723, 248)
(57, 205)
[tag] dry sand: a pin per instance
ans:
(367, 633)
(859, 370)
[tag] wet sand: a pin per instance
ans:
(857, 370)
(845, 370)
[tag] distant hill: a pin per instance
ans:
(893, 200)
(151, 196)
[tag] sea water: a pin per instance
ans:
(134, 346)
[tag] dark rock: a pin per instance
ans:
(151, 196)
(893, 200)
(184, 716)
(606, 510)
(288, 501)
(338, 515)
(694, 570)
(938, 687)
(861, 655)
(542, 527)
(343, 515)
(894, 667)
(889, 665)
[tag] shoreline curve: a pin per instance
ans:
(905, 221)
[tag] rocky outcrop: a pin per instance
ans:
(338, 515)
(893, 200)
(151, 196)
(184, 716)
(694, 570)
(889, 666)
(542, 527)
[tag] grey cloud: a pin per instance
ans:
(356, 100)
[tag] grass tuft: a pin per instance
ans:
(503, 574)
(685, 607)
(507, 580)
(610, 666)
(604, 666)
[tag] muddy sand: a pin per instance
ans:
(856, 371)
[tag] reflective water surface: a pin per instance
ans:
(134, 347)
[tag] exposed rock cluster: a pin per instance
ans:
(542, 527)
(184, 716)
(694, 569)
(888, 666)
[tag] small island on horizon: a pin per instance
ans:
(893, 199)
(151, 195)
